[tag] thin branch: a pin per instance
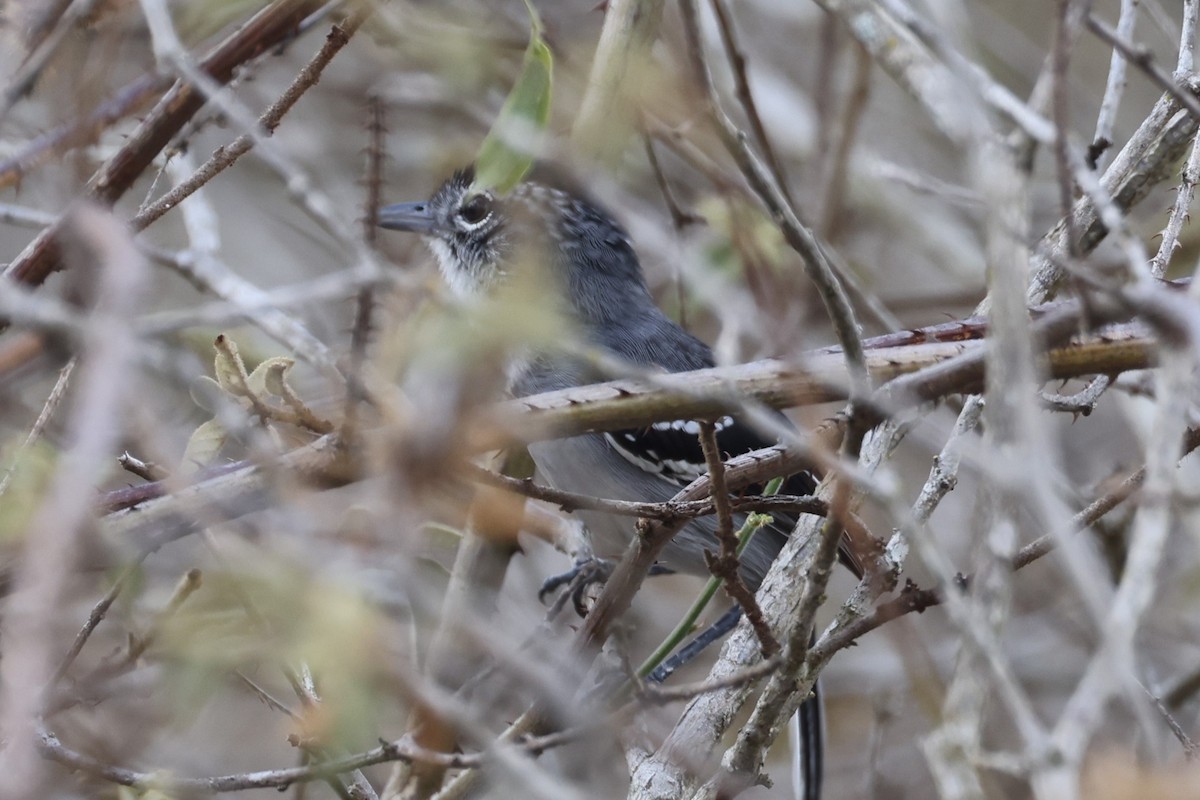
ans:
(665, 511)
(1143, 58)
(53, 400)
(269, 27)
(1100, 506)
(357, 786)
(225, 156)
(1186, 64)
(1114, 89)
(1082, 402)
(25, 216)
(1180, 211)
(737, 61)
(94, 618)
(1146, 160)
(138, 645)
(913, 598)
(724, 566)
(943, 475)
(675, 138)
(1114, 658)
(398, 750)
(171, 52)
(364, 305)
(1066, 33)
(1191, 750)
(146, 470)
(659, 695)
(246, 303)
(266, 697)
(680, 219)
(843, 131)
(798, 237)
(125, 101)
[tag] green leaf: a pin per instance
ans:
(507, 153)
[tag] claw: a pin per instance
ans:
(592, 569)
(586, 573)
(555, 582)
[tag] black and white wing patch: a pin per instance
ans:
(672, 450)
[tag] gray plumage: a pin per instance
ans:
(596, 279)
(474, 234)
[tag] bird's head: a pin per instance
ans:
(578, 252)
(465, 227)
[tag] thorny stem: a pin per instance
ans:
(725, 565)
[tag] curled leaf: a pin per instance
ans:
(270, 376)
(229, 367)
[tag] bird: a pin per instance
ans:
(595, 278)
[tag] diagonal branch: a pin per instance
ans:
(271, 26)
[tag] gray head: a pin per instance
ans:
(476, 235)
(464, 228)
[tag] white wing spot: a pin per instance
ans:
(685, 467)
(684, 425)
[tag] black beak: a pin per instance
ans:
(414, 217)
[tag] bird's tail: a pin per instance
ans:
(807, 725)
(807, 728)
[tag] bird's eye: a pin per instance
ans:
(476, 210)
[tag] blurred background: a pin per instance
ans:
(347, 581)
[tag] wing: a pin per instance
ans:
(671, 450)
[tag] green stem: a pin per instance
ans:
(688, 623)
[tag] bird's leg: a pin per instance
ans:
(587, 572)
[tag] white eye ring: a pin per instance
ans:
(475, 211)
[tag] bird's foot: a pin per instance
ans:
(586, 573)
